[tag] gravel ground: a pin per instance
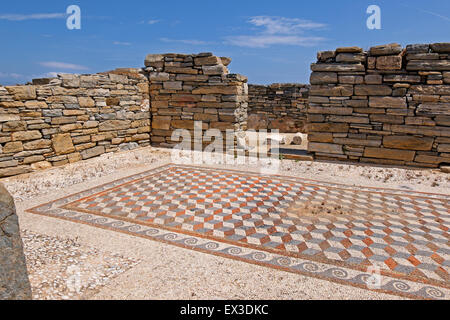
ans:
(165, 271)
(62, 269)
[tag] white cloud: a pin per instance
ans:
(34, 16)
(278, 31)
(184, 41)
(153, 21)
(118, 43)
(265, 41)
(281, 25)
(63, 65)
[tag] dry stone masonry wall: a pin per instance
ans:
(189, 88)
(70, 118)
(389, 105)
(278, 106)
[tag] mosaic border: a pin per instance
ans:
(348, 275)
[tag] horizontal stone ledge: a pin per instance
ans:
(331, 91)
(388, 102)
(349, 119)
(351, 58)
(337, 67)
(402, 78)
(357, 142)
(373, 90)
(443, 90)
(388, 162)
(385, 50)
(423, 56)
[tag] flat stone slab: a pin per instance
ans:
(261, 219)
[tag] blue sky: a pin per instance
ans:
(269, 41)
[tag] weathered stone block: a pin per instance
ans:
(215, 70)
(401, 78)
(325, 137)
(331, 91)
(152, 58)
(37, 144)
(114, 125)
(14, 171)
(323, 77)
(373, 90)
(373, 79)
(351, 58)
(325, 148)
(13, 147)
(86, 102)
(327, 127)
(337, 67)
(22, 92)
(388, 102)
(392, 154)
(325, 55)
(349, 50)
(441, 47)
(226, 90)
(62, 144)
(444, 148)
(389, 63)
(408, 143)
(92, 152)
(428, 65)
(207, 61)
(14, 126)
(417, 48)
(26, 135)
(173, 85)
(161, 122)
(384, 50)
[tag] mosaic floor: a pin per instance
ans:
(329, 231)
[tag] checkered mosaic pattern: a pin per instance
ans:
(399, 233)
(405, 234)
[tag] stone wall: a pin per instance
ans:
(189, 88)
(70, 118)
(14, 282)
(279, 106)
(389, 105)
